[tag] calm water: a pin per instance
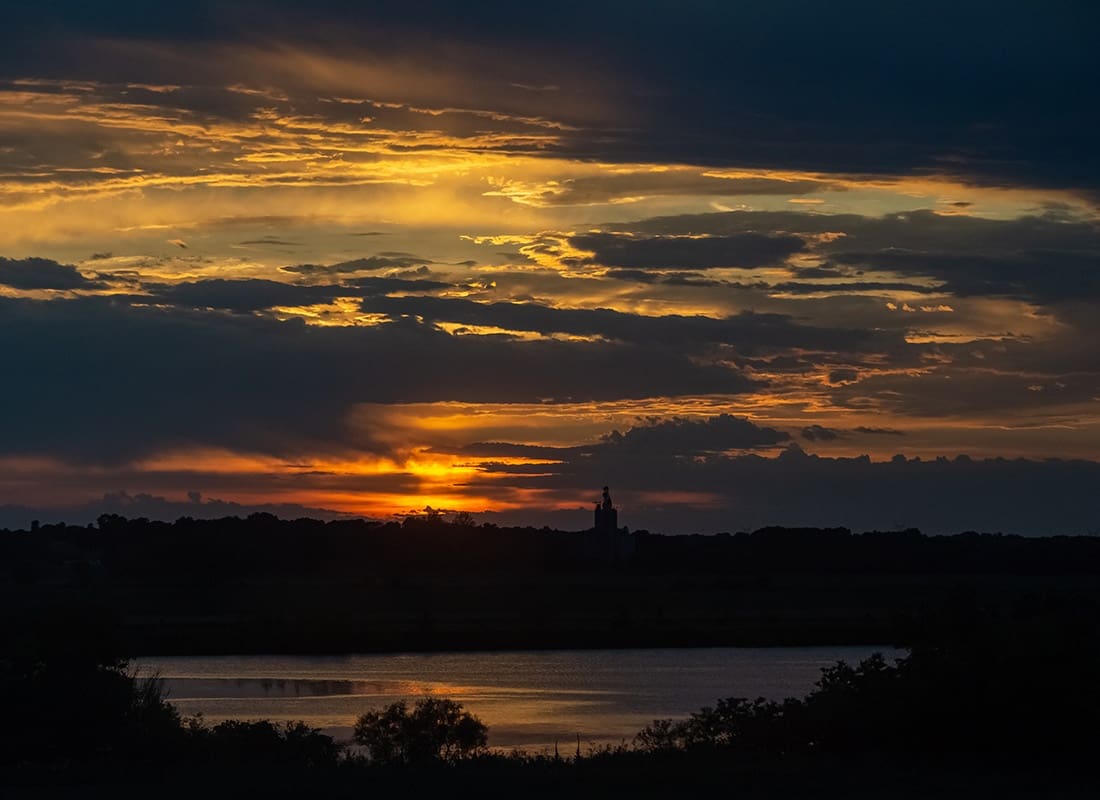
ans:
(528, 699)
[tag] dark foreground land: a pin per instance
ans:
(261, 585)
(997, 697)
(986, 704)
(857, 778)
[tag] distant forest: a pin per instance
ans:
(262, 544)
(262, 584)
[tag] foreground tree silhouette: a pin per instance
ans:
(434, 730)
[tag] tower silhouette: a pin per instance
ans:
(606, 515)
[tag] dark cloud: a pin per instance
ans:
(843, 375)
(99, 380)
(1042, 276)
(675, 437)
(746, 250)
(819, 433)
(690, 437)
(41, 273)
(243, 296)
(257, 294)
(1043, 259)
(820, 273)
(922, 230)
(1007, 80)
(377, 285)
(747, 331)
(271, 240)
(666, 278)
(794, 287)
(963, 390)
(367, 264)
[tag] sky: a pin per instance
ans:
(748, 263)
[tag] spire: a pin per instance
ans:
(606, 516)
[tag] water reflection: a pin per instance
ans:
(528, 699)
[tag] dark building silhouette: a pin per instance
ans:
(607, 516)
(606, 541)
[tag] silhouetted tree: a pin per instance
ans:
(463, 519)
(67, 696)
(434, 730)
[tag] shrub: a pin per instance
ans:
(434, 729)
(292, 744)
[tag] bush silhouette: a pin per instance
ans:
(262, 742)
(973, 682)
(435, 729)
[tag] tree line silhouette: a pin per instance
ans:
(261, 584)
(262, 543)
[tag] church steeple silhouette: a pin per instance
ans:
(606, 515)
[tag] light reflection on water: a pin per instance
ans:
(529, 699)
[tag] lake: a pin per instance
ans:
(530, 699)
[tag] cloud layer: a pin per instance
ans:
(370, 259)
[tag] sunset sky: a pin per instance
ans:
(749, 263)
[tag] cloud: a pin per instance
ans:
(750, 333)
(243, 296)
(843, 375)
(691, 436)
(921, 230)
(631, 186)
(745, 250)
(271, 240)
(377, 285)
(1047, 259)
(1042, 276)
(818, 433)
(879, 431)
(367, 264)
(667, 278)
(664, 93)
(675, 437)
(258, 294)
(102, 381)
(42, 273)
(507, 450)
